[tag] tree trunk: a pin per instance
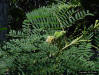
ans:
(3, 19)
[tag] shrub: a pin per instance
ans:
(30, 53)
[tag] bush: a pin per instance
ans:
(47, 46)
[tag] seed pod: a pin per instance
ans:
(59, 35)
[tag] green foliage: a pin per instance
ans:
(55, 18)
(28, 52)
(34, 56)
(96, 35)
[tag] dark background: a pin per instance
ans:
(3, 18)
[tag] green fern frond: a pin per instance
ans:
(54, 18)
(96, 39)
(96, 34)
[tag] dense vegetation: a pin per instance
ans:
(61, 38)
